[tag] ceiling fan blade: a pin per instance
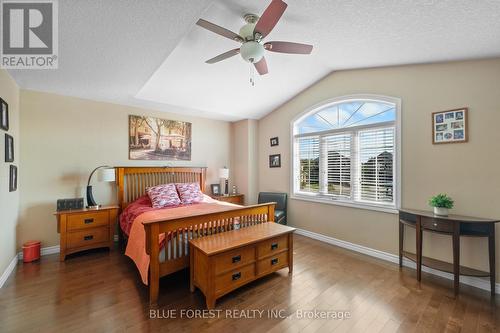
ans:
(223, 56)
(288, 47)
(270, 17)
(261, 66)
(219, 30)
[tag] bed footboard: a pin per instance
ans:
(178, 232)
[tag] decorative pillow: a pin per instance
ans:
(189, 193)
(163, 195)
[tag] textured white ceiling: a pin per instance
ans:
(151, 54)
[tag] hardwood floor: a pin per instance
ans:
(101, 292)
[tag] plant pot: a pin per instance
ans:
(441, 211)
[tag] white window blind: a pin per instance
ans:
(308, 151)
(376, 165)
(338, 160)
(346, 153)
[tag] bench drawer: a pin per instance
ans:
(272, 246)
(87, 220)
(234, 279)
(273, 263)
(233, 259)
(87, 237)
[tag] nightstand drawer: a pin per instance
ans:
(87, 220)
(237, 199)
(437, 225)
(88, 237)
(233, 199)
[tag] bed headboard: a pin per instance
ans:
(133, 181)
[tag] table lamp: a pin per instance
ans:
(106, 174)
(224, 174)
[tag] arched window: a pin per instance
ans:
(346, 151)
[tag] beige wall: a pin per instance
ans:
(9, 201)
(468, 172)
(64, 138)
(244, 155)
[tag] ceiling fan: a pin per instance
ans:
(251, 36)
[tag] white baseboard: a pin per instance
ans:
(44, 251)
(477, 282)
(471, 281)
(5, 275)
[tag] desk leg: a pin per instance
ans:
(491, 250)
(456, 258)
(418, 231)
(401, 242)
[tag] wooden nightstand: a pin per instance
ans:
(238, 199)
(85, 229)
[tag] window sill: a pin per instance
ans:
(308, 198)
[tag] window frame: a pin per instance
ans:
(331, 199)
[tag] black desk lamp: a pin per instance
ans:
(107, 175)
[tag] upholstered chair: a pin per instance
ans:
(280, 199)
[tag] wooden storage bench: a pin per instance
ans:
(223, 262)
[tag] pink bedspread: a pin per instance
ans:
(133, 217)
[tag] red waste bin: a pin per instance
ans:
(31, 251)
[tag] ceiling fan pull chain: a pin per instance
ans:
(252, 75)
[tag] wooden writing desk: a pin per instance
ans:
(455, 226)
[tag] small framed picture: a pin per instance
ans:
(275, 141)
(275, 161)
(4, 115)
(215, 189)
(9, 148)
(450, 126)
(13, 178)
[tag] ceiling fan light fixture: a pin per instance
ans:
(252, 51)
(247, 31)
(251, 36)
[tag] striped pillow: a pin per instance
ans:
(189, 192)
(164, 195)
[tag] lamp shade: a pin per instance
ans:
(224, 173)
(107, 175)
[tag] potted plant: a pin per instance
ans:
(441, 204)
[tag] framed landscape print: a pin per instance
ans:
(9, 148)
(4, 115)
(158, 139)
(13, 178)
(450, 126)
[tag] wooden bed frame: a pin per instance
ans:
(132, 183)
